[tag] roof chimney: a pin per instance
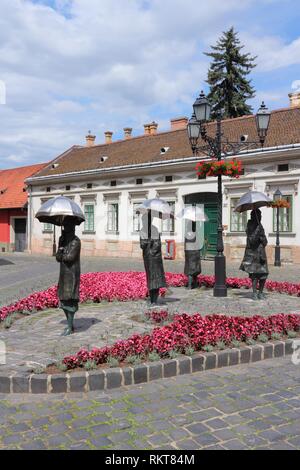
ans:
(153, 128)
(127, 132)
(90, 139)
(108, 137)
(179, 123)
(147, 129)
(294, 99)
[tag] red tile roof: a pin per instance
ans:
(284, 130)
(12, 184)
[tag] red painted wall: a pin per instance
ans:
(5, 215)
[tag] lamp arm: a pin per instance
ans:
(228, 148)
(211, 149)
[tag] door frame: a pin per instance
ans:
(12, 230)
(208, 197)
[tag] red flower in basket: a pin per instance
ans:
(233, 168)
(281, 203)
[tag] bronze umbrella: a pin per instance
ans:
(252, 200)
(57, 210)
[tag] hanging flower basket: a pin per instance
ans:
(232, 168)
(280, 203)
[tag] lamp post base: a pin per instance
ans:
(277, 261)
(220, 288)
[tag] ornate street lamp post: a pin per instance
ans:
(277, 198)
(219, 147)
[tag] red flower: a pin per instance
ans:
(231, 168)
(120, 286)
(189, 330)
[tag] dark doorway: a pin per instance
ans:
(209, 200)
(20, 234)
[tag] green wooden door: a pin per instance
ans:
(209, 200)
(210, 229)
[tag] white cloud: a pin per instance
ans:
(277, 98)
(273, 52)
(89, 65)
(295, 85)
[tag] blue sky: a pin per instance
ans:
(70, 66)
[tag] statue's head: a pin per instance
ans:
(148, 227)
(147, 217)
(68, 226)
(256, 215)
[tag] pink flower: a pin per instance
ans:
(189, 330)
(126, 286)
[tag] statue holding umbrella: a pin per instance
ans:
(255, 259)
(192, 246)
(150, 243)
(64, 212)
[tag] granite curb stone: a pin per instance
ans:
(117, 377)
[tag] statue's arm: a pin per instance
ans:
(73, 253)
(143, 243)
(253, 236)
(59, 254)
(263, 237)
(250, 235)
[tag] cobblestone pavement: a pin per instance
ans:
(253, 406)
(34, 273)
(37, 338)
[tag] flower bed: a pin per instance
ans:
(187, 332)
(110, 286)
(233, 168)
(94, 287)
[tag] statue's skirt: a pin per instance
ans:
(192, 265)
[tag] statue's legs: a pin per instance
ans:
(254, 288)
(65, 330)
(70, 319)
(154, 293)
(69, 307)
(190, 282)
(261, 295)
(195, 281)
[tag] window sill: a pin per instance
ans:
(236, 234)
(108, 232)
(88, 232)
(48, 232)
(283, 234)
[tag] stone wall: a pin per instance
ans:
(131, 249)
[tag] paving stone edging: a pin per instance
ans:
(107, 379)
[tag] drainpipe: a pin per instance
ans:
(29, 219)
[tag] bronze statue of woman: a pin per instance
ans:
(192, 265)
(68, 255)
(150, 243)
(255, 259)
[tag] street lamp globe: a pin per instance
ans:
(277, 195)
(194, 130)
(202, 108)
(262, 122)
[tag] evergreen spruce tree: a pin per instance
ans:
(227, 77)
